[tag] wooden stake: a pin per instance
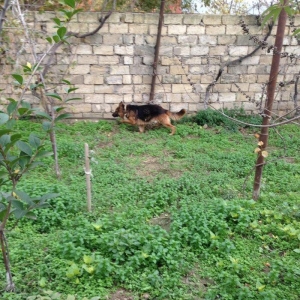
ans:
(88, 177)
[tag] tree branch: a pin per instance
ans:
(233, 62)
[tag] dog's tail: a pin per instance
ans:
(176, 116)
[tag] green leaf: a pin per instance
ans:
(43, 114)
(17, 204)
(30, 215)
(57, 21)
(4, 131)
(54, 95)
(12, 107)
(72, 90)
(5, 140)
(44, 154)
(24, 147)
(297, 250)
(56, 38)
(25, 104)
(49, 196)
(24, 197)
(70, 3)
(19, 213)
(18, 78)
(70, 99)
(34, 141)
(47, 126)
(61, 32)
(15, 137)
(66, 81)
(23, 111)
(63, 116)
(3, 118)
(49, 39)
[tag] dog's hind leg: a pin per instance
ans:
(141, 128)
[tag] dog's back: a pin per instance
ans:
(145, 112)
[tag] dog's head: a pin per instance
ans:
(120, 111)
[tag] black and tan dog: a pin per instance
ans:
(141, 115)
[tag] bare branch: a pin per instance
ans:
(101, 20)
(3, 12)
(233, 62)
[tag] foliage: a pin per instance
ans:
(216, 118)
(169, 215)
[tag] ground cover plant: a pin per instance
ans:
(172, 216)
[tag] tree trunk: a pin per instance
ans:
(269, 101)
(10, 286)
(157, 46)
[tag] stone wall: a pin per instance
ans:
(116, 63)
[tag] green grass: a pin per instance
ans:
(172, 215)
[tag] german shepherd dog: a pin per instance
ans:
(142, 115)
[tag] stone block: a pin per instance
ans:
(147, 79)
(137, 79)
(177, 29)
(138, 28)
(188, 39)
(166, 40)
(182, 50)
(151, 40)
(166, 50)
(87, 59)
(207, 40)
(119, 70)
(85, 89)
(192, 19)
(124, 50)
(140, 70)
(84, 49)
(138, 17)
(148, 60)
(104, 89)
(114, 18)
(151, 19)
(227, 97)
(171, 78)
(175, 107)
(118, 28)
(113, 98)
(143, 50)
(114, 79)
(99, 70)
(199, 50)
(181, 88)
(238, 50)
(142, 88)
(94, 98)
(173, 19)
(195, 29)
(95, 39)
(123, 89)
(167, 61)
(244, 87)
(234, 30)
(153, 30)
(252, 60)
(78, 70)
(218, 50)
(103, 50)
(109, 60)
(127, 18)
(112, 39)
(215, 30)
(128, 60)
(171, 97)
(127, 79)
(178, 70)
(212, 19)
(100, 108)
(230, 20)
(79, 108)
(226, 40)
